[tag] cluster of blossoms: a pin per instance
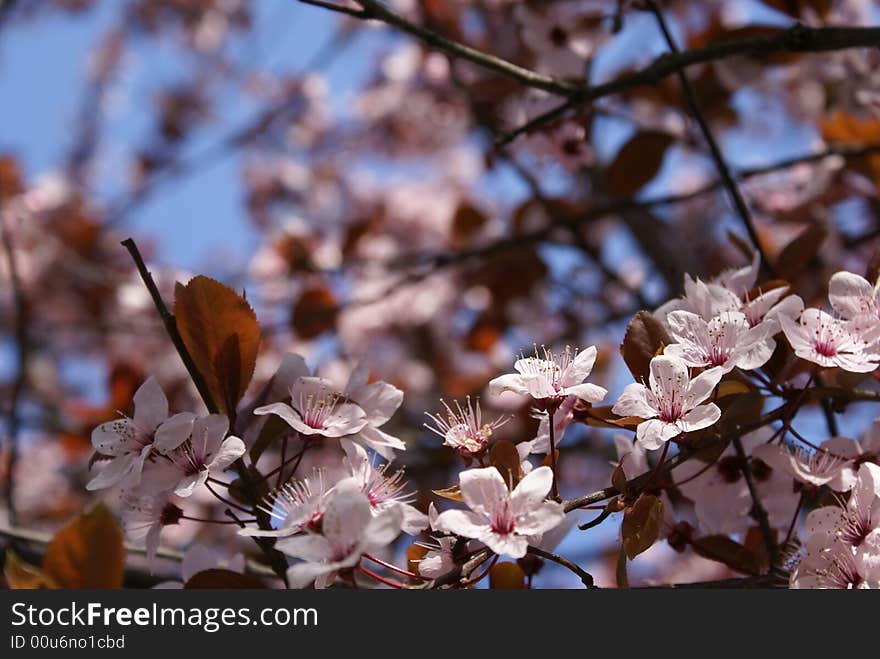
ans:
(353, 508)
(843, 545)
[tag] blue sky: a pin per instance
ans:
(42, 67)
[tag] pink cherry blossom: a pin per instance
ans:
(824, 466)
(463, 429)
(379, 401)
(552, 375)
(316, 409)
(207, 451)
(348, 531)
(130, 442)
(143, 516)
(824, 340)
(726, 341)
(852, 296)
(671, 404)
(722, 501)
(384, 488)
(296, 505)
(505, 521)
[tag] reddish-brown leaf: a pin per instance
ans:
(507, 576)
(87, 552)
(795, 256)
(641, 525)
(637, 162)
(466, 224)
(452, 493)
(221, 332)
(842, 128)
(217, 578)
(24, 576)
(315, 312)
(505, 458)
(795, 8)
(645, 337)
(724, 550)
(11, 182)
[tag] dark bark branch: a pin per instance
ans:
(378, 11)
(19, 535)
(276, 559)
(733, 190)
(796, 39)
(446, 258)
(683, 455)
(778, 414)
(758, 509)
(585, 577)
(170, 326)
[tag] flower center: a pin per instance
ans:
(572, 147)
(315, 410)
(671, 408)
(381, 489)
(826, 340)
(502, 522)
(558, 36)
(729, 469)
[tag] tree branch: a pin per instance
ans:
(378, 11)
(683, 455)
(276, 559)
(170, 326)
(43, 539)
(585, 577)
(720, 164)
(760, 512)
(796, 39)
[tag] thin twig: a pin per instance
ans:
(585, 577)
(276, 559)
(378, 11)
(683, 455)
(43, 539)
(170, 326)
(339, 9)
(717, 157)
(758, 509)
(797, 39)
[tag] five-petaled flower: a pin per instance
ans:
(316, 409)
(207, 451)
(463, 428)
(550, 375)
(349, 529)
(505, 521)
(671, 404)
(852, 296)
(827, 341)
(843, 543)
(129, 442)
(726, 341)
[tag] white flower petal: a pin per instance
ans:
(465, 523)
(700, 417)
(173, 432)
(150, 405)
(653, 433)
(634, 402)
(483, 489)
